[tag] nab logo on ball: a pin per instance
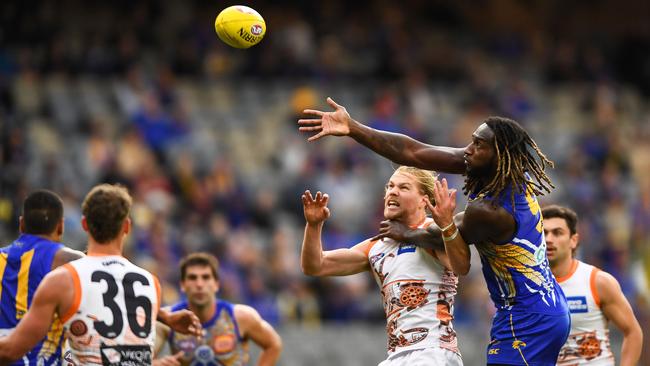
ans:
(240, 26)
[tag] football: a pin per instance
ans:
(240, 26)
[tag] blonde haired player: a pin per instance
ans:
(106, 304)
(594, 298)
(417, 287)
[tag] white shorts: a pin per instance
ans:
(424, 357)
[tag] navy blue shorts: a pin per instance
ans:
(532, 339)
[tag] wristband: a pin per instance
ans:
(452, 237)
(448, 226)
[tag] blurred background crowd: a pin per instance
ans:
(143, 93)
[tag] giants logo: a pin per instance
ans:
(577, 304)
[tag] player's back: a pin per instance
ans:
(23, 264)
(112, 319)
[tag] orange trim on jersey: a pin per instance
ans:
(365, 246)
(420, 223)
(156, 282)
(574, 267)
(77, 293)
(592, 285)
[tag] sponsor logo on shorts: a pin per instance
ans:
(577, 304)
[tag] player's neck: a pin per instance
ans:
(113, 247)
(563, 268)
(415, 220)
(205, 313)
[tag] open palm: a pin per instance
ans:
(315, 208)
(335, 123)
(443, 211)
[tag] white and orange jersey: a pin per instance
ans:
(588, 342)
(113, 316)
(418, 294)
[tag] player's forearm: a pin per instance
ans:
(458, 252)
(270, 355)
(9, 352)
(311, 256)
(403, 150)
(631, 348)
(424, 238)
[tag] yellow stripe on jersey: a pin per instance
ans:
(3, 264)
(51, 343)
(23, 283)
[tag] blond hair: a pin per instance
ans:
(426, 179)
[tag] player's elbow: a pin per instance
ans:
(310, 270)
(8, 355)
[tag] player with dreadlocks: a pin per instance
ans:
(505, 171)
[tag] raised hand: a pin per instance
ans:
(443, 211)
(392, 229)
(315, 208)
(335, 123)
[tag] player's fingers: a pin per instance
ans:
(333, 104)
(378, 237)
(430, 205)
(316, 137)
(178, 355)
(309, 121)
(319, 196)
(326, 198)
(310, 128)
(314, 112)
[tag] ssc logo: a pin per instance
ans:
(256, 29)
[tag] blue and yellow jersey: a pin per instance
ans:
(221, 344)
(23, 264)
(517, 272)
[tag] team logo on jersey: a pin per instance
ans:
(577, 304)
(78, 328)
(406, 248)
(125, 355)
(224, 343)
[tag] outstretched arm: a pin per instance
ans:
(617, 309)
(251, 325)
(399, 148)
(316, 262)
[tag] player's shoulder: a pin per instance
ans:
(66, 255)
(245, 314)
(605, 282)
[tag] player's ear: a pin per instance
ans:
(21, 225)
(60, 228)
(84, 223)
(126, 227)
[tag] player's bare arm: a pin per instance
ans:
(442, 212)
(53, 296)
(316, 262)
(162, 334)
(617, 309)
(65, 255)
(253, 327)
(396, 147)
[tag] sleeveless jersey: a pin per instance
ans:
(588, 342)
(517, 272)
(221, 345)
(112, 319)
(418, 295)
(23, 264)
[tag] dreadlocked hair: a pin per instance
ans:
(513, 146)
